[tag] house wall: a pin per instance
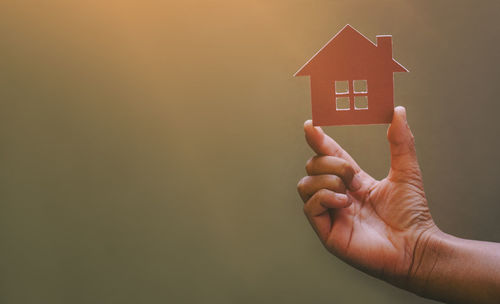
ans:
(380, 101)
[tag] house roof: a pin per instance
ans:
(347, 42)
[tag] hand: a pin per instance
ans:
(379, 227)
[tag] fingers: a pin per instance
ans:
(320, 165)
(323, 200)
(323, 144)
(317, 207)
(402, 144)
(309, 185)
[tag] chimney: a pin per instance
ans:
(384, 44)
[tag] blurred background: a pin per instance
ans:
(150, 150)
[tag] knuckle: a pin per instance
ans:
(307, 206)
(301, 185)
(305, 210)
(310, 164)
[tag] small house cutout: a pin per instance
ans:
(352, 80)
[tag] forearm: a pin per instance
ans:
(456, 270)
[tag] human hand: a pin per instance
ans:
(380, 227)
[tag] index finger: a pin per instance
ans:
(323, 144)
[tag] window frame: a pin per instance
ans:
(351, 94)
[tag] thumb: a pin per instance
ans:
(404, 162)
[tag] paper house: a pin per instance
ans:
(352, 80)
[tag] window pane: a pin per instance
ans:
(361, 102)
(360, 86)
(342, 86)
(343, 103)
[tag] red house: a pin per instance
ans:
(352, 80)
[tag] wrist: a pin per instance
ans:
(451, 269)
(429, 255)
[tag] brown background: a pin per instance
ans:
(150, 150)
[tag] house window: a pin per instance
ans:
(343, 103)
(360, 102)
(351, 94)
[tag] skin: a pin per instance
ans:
(384, 227)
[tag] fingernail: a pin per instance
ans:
(355, 183)
(342, 198)
(307, 123)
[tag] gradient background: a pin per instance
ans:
(150, 150)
